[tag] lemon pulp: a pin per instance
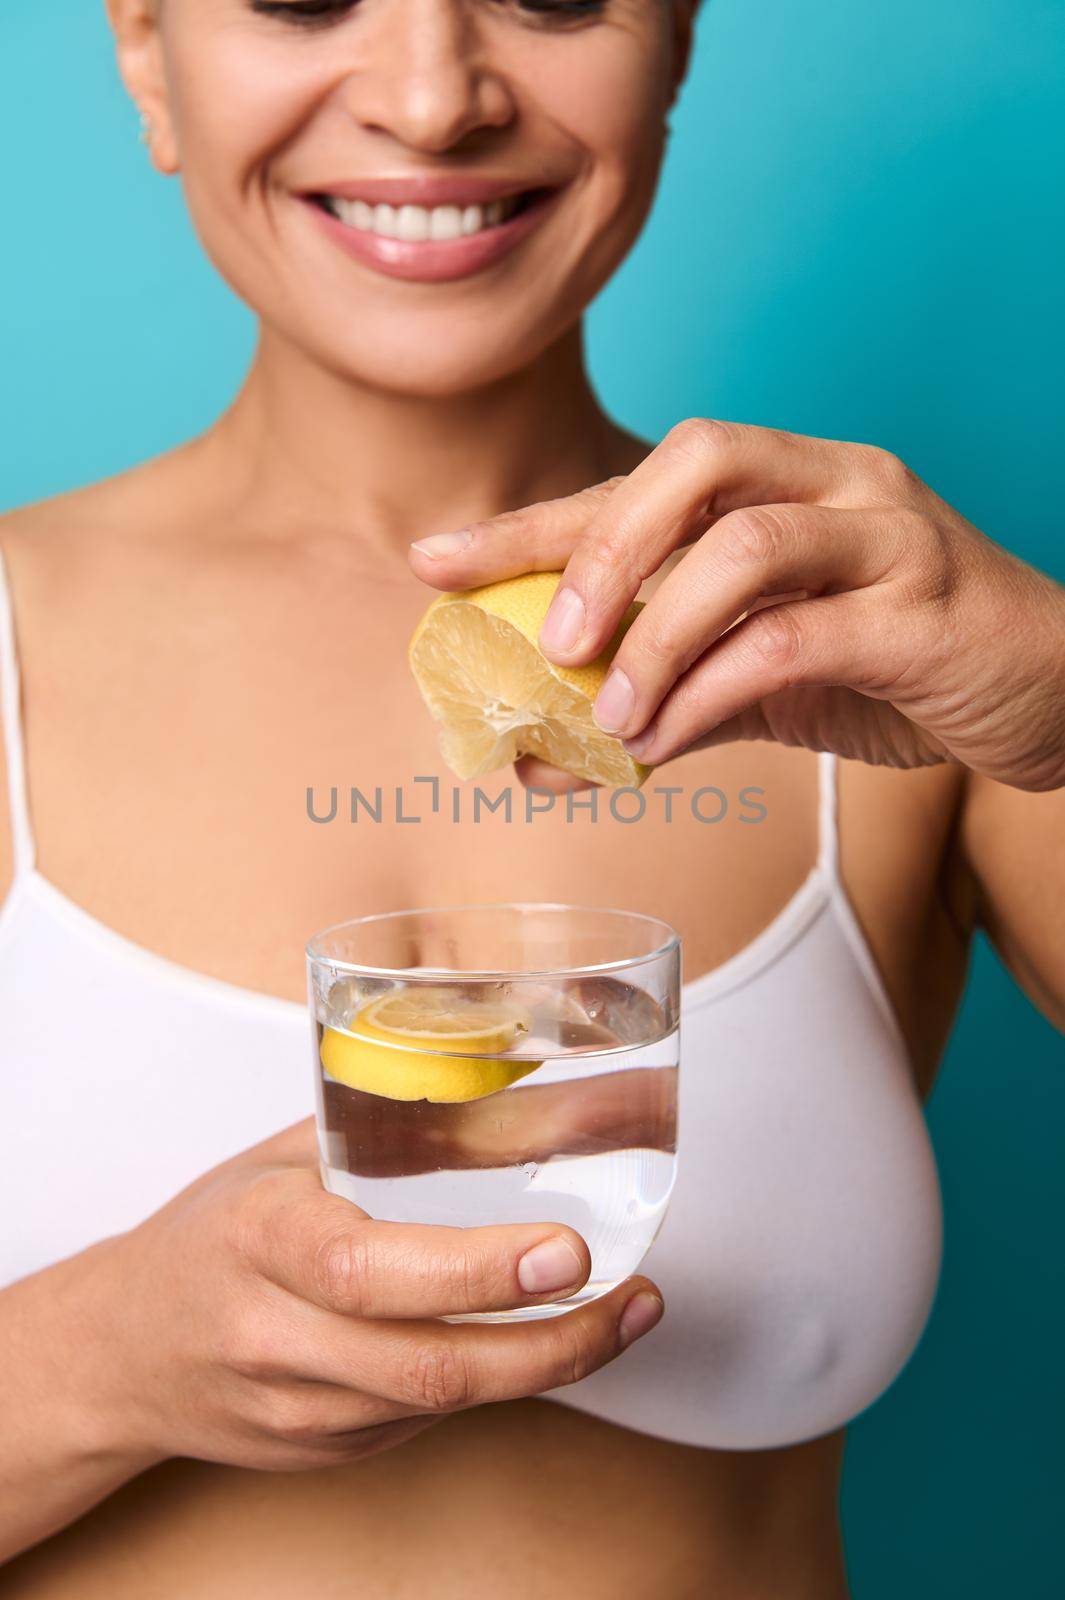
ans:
(476, 660)
(393, 1048)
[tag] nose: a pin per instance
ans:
(423, 75)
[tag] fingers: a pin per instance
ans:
(700, 472)
(537, 538)
(435, 1366)
(313, 1419)
(630, 1109)
(536, 774)
(759, 551)
(612, 536)
(835, 639)
(326, 1251)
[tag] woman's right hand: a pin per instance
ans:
(262, 1322)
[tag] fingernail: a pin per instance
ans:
(614, 702)
(564, 622)
(639, 1316)
(640, 744)
(443, 544)
(551, 1265)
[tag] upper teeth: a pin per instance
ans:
(419, 222)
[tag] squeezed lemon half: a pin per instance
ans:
(475, 658)
(423, 1022)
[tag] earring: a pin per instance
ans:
(146, 129)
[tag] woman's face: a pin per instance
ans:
(522, 136)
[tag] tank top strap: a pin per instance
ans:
(828, 815)
(14, 747)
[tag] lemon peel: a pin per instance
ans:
(402, 1060)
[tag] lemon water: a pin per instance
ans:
(542, 1111)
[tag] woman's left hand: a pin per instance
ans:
(828, 599)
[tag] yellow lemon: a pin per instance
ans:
(398, 1039)
(476, 661)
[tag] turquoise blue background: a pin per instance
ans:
(860, 234)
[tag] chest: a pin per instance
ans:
(218, 780)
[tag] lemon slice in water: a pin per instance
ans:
(475, 658)
(394, 1044)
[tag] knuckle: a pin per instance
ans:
(774, 639)
(698, 438)
(578, 1353)
(343, 1271)
(247, 1216)
(246, 1345)
(598, 493)
(752, 537)
(932, 566)
(913, 531)
(508, 525)
(888, 471)
(508, 528)
(656, 644)
(439, 1378)
(611, 552)
(287, 1415)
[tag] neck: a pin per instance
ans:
(306, 448)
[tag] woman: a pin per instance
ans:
(419, 198)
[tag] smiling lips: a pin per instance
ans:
(413, 224)
(429, 230)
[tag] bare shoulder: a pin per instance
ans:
(67, 526)
(32, 541)
(49, 548)
(53, 548)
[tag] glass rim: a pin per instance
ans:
(667, 946)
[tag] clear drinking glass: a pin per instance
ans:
(502, 1063)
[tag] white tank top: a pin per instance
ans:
(800, 1253)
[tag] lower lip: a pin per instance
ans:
(436, 260)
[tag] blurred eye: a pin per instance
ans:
(325, 11)
(307, 11)
(561, 10)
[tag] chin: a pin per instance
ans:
(443, 362)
